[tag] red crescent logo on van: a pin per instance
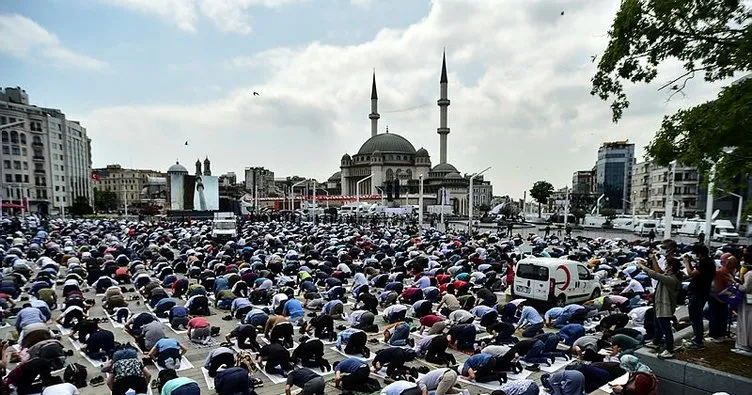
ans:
(569, 277)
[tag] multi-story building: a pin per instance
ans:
(613, 173)
(228, 179)
(261, 180)
(582, 182)
(127, 184)
(46, 158)
(652, 187)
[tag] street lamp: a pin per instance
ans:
(709, 200)
(738, 209)
(420, 203)
(357, 195)
(669, 215)
(381, 191)
(292, 194)
(470, 200)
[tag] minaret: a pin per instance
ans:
(198, 167)
(207, 167)
(443, 103)
(374, 115)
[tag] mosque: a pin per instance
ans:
(396, 165)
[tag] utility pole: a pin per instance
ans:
(420, 203)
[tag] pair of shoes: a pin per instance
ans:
(665, 355)
(374, 341)
(228, 317)
(96, 381)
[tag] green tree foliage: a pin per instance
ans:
(579, 213)
(484, 209)
(510, 210)
(81, 207)
(541, 191)
(105, 200)
(710, 38)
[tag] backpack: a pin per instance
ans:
(75, 374)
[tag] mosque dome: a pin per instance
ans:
(346, 157)
(444, 168)
(336, 176)
(422, 152)
(388, 143)
(177, 168)
(454, 175)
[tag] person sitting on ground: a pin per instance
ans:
(279, 330)
(240, 307)
(398, 334)
(99, 345)
(71, 316)
(246, 335)
(275, 359)
(169, 383)
(163, 306)
(564, 382)
(462, 337)
(151, 333)
(128, 373)
(234, 381)
(310, 353)
(309, 381)
(178, 318)
(135, 325)
(432, 324)
(351, 374)
(218, 357)
(198, 305)
(461, 316)
(82, 329)
(224, 299)
(433, 349)
(482, 369)
(531, 320)
(394, 358)
(404, 387)
(322, 327)
(199, 330)
(641, 378)
(440, 381)
(394, 313)
(168, 353)
(352, 341)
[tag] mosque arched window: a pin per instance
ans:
(5, 136)
(389, 175)
(14, 137)
(409, 174)
(23, 138)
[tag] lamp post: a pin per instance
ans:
(669, 216)
(470, 200)
(566, 208)
(709, 200)
(357, 195)
(738, 209)
(420, 203)
(381, 191)
(327, 195)
(292, 194)
(443, 197)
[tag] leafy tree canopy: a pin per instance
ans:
(541, 191)
(710, 38)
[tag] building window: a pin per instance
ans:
(26, 165)
(23, 151)
(15, 150)
(17, 165)
(8, 178)
(6, 164)
(14, 137)
(19, 178)
(26, 178)
(6, 150)
(23, 138)
(5, 136)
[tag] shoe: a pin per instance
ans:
(694, 346)
(96, 381)
(719, 340)
(374, 341)
(533, 368)
(410, 342)
(653, 346)
(665, 355)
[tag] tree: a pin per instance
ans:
(81, 207)
(708, 37)
(579, 213)
(105, 200)
(541, 191)
(510, 211)
(484, 209)
(609, 213)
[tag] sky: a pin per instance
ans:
(146, 76)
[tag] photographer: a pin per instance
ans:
(701, 270)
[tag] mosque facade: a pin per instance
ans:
(396, 166)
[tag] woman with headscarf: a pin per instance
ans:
(641, 381)
(744, 319)
(564, 382)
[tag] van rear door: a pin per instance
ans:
(531, 281)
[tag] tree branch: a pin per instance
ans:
(692, 72)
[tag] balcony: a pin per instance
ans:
(39, 171)
(38, 158)
(37, 144)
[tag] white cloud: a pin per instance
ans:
(22, 38)
(519, 83)
(227, 15)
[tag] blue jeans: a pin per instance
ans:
(224, 304)
(400, 335)
(187, 389)
(695, 306)
(718, 317)
(536, 353)
(532, 330)
(663, 331)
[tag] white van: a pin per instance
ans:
(643, 227)
(724, 231)
(556, 281)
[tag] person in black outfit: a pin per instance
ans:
(246, 335)
(282, 333)
(502, 332)
(702, 272)
(219, 359)
(613, 321)
(366, 301)
(310, 353)
(436, 352)
(309, 381)
(394, 358)
(276, 359)
(322, 326)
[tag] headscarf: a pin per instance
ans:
(632, 364)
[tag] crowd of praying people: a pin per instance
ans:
(406, 312)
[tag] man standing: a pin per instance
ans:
(701, 270)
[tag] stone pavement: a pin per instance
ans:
(197, 355)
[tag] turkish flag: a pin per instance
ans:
(95, 176)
